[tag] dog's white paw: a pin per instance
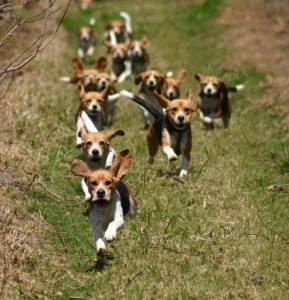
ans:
(183, 173)
(100, 246)
(172, 157)
(110, 234)
(208, 120)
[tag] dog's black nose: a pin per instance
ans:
(181, 119)
(100, 193)
(209, 91)
(151, 83)
(95, 152)
(94, 107)
(171, 95)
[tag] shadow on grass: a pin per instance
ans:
(101, 263)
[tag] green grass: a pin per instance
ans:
(221, 234)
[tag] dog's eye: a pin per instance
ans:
(88, 101)
(89, 143)
(102, 143)
(187, 110)
(174, 110)
(108, 182)
(94, 183)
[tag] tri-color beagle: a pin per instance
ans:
(151, 81)
(171, 86)
(91, 107)
(110, 198)
(139, 56)
(170, 130)
(214, 101)
(86, 40)
(98, 153)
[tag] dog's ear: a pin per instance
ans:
(144, 42)
(80, 168)
(82, 132)
(101, 64)
(121, 164)
(181, 75)
(110, 134)
(77, 65)
(191, 100)
(81, 91)
(199, 77)
(163, 101)
(139, 79)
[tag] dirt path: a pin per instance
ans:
(259, 33)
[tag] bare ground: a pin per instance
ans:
(259, 33)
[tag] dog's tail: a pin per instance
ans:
(113, 40)
(235, 89)
(92, 21)
(142, 102)
(69, 79)
(127, 19)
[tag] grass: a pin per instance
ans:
(221, 234)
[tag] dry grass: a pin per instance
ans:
(220, 234)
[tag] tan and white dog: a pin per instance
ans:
(150, 81)
(118, 30)
(171, 129)
(171, 86)
(214, 101)
(86, 40)
(139, 56)
(98, 153)
(90, 111)
(110, 199)
(85, 4)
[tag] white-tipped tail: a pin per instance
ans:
(88, 124)
(113, 98)
(127, 19)
(240, 87)
(92, 22)
(113, 40)
(169, 74)
(65, 79)
(127, 94)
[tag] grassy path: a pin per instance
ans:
(221, 234)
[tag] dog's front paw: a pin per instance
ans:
(172, 157)
(208, 120)
(183, 173)
(100, 246)
(110, 234)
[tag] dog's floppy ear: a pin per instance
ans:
(101, 64)
(144, 42)
(77, 65)
(163, 101)
(191, 100)
(121, 164)
(82, 132)
(80, 168)
(110, 134)
(199, 77)
(139, 79)
(81, 91)
(181, 75)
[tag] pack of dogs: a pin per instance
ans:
(166, 116)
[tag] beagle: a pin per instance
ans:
(98, 154)
(214, 101)
(171, 129)
(110, 199)
(91, 106)
(171, 85)
(85, 4)
(86, 41)
(122, 30)
(139, 56)
(93, 79)
(151, 81)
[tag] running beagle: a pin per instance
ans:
(171, 129)
(150, 81)
(110, 198)
(86, 40)
(171, 86)
(98, 154)
(214, 101)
